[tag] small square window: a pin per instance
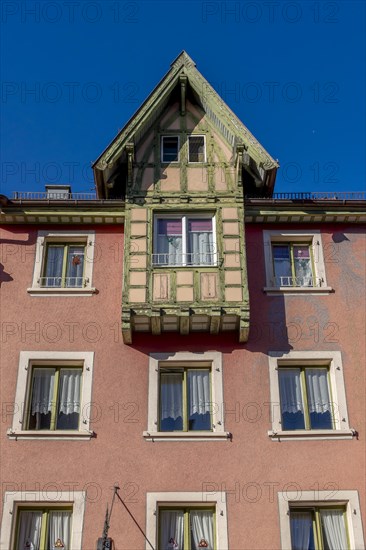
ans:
(308, 399)
(186, 528)
(169, 149)
(184, 240)
(53, 395)
(64, 263)
(196, 149)
(185, 399)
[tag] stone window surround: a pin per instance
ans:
(28, 359)
(303, 499)
(53, 236)
(14, 500)
(313, 237)
(332, 359)
(212, 359)
(217, 499)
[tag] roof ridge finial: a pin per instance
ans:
(183, 58)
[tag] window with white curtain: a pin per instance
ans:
(186, 529)
(312, 520)
(44, 529)
(293, 265)
(185, 399)
(305, 398)
(182, 240)
(294, 262)
(308, 396)
(64, 265)
(29, 522)
(54, 400)
(318, 528)
(53, 395)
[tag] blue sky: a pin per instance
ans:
(73, 72)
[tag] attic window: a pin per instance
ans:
(196, 150)
(169, 149)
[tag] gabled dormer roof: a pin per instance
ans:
(220, 115)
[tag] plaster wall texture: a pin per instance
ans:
(251, 467)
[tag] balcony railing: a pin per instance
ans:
(289, 281)
(61, 282)
(316, 196)
(189, 259)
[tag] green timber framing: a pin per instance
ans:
(112, 212)
(198, 106)
(124, 197)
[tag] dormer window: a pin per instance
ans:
(196, 149)
(169, 149)
(183, 240)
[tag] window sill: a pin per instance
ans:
(302, 435)
(278, 291)
(67, 435)
(187, 436)
(38, 291)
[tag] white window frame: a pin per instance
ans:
(158, 361)
(185, 216)
(14, 500)
(216, 499)
(169, 136)
(63, 237)
(349, 499)
(331, 359)
(313, 238)
(204, 147)
(30, 359)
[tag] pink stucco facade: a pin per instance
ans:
(250, 468)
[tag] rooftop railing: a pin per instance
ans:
(304, 196)
(61, 195)
(316, 196)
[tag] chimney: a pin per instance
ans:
(58, 192)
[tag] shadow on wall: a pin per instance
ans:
(4, 276)
(11, 248)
